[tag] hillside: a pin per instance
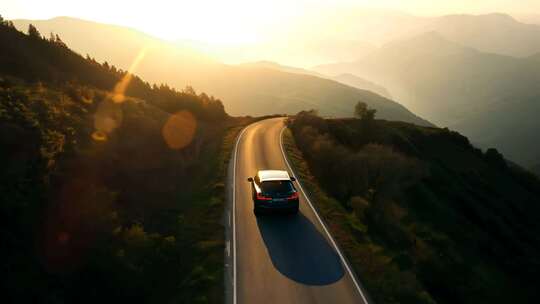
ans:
(423, 216)
(536, 170)
(244, 90)
(347, 79)
(488, 97)
(279, 67)
(360, 83)
(81, 221)
(120, 45)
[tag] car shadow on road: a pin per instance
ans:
(299, 251)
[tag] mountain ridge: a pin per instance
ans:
(485, 96)
(244, 90)
(345, 78)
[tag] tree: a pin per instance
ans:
(359, 205)
(5, 22)
(495, 158)
(362, 111)
(59, 41)
(189, 90)
(33, 31)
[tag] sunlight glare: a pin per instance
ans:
(107, 118)
(109, 115)
(121, 87)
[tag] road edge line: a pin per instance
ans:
(341, 256)
(233, 211)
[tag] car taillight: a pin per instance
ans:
(263, 198)
(293, 196)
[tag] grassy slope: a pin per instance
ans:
(154, 235)
(117, 218)
(381, 278)
(396, 255)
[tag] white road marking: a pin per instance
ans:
(234, 212)
(228, 248)
(319, 218)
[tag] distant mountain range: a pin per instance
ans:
(245, 90)
(346, 78)
(454, 70)
(529, 18)
(361, 83)
(493, 99)
(492, 33)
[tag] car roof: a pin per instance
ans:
(269, 175)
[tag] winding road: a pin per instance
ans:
(276, 258)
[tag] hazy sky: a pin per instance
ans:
(224, 21)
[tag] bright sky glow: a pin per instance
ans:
(233, 21)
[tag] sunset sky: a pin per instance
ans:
(226, 22)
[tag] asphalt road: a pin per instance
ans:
(280, 258)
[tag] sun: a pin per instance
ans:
(214, 22)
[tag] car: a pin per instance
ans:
(273, 190)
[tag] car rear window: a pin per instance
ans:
(277, 187)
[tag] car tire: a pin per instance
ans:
(294, 211)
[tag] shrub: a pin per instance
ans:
(364, 113)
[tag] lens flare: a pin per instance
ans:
(99, 136)
(121, 87)
(107, 118)
(179, 130)
(109, 115)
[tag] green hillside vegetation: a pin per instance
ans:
(423, 216)
(490, 98)
(245, 90)
(106, 200)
